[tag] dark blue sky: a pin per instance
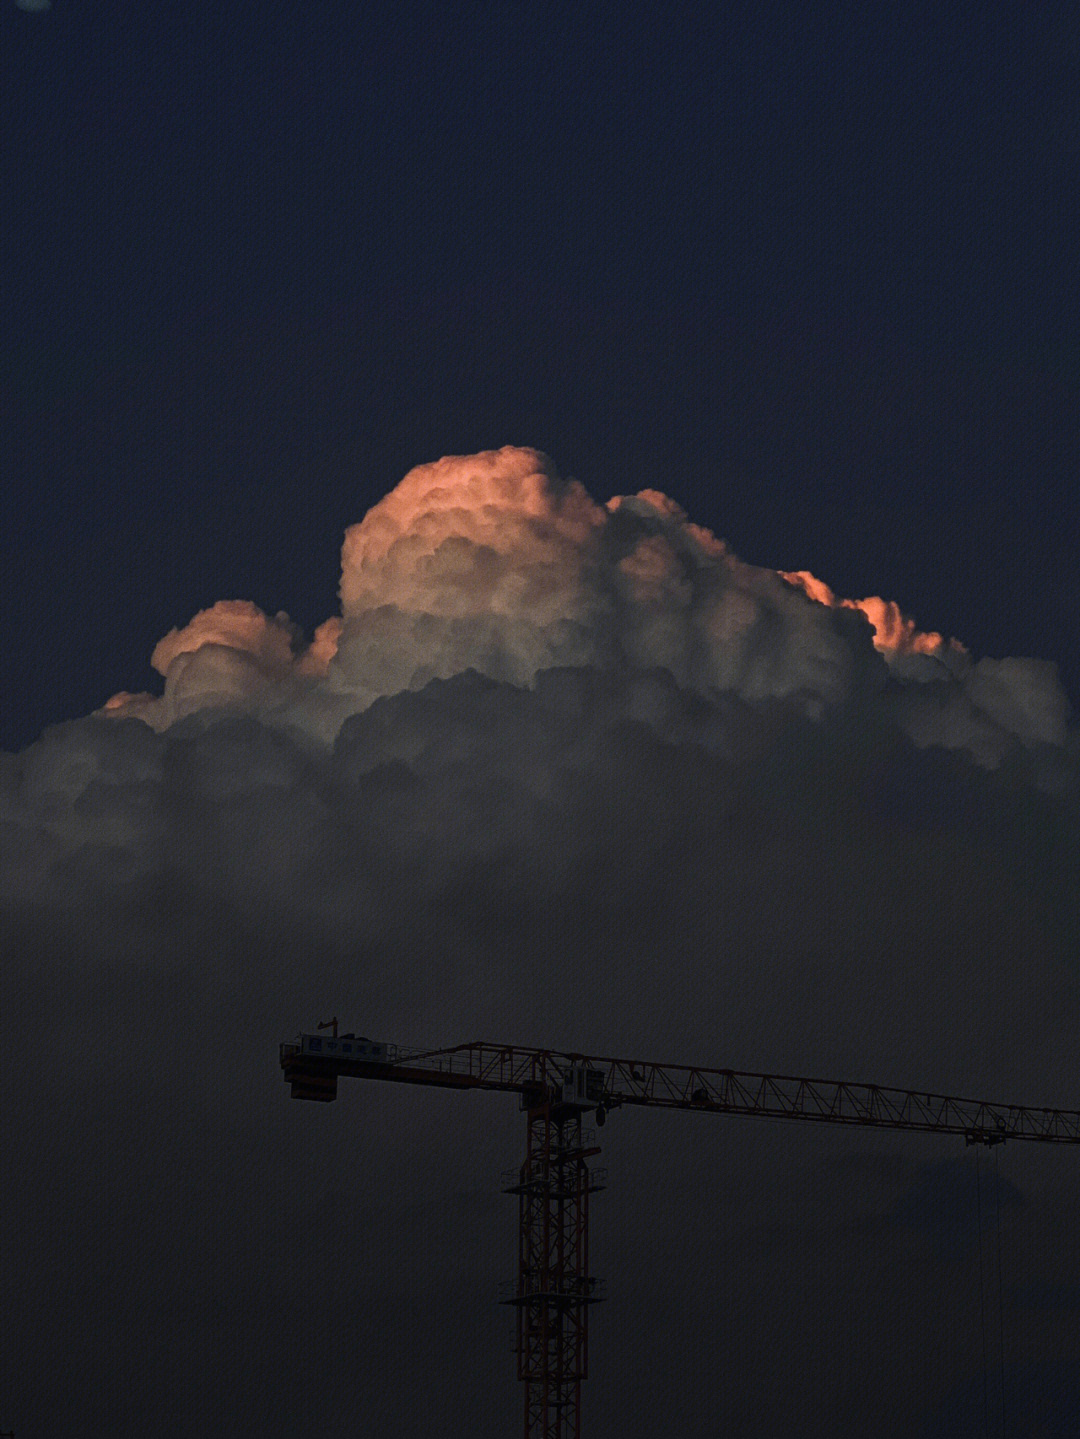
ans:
(808, 269)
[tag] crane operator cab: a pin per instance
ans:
(347, 1046)
(582, 1087)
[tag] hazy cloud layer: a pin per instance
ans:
(560, 773)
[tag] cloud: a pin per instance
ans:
(494, 563)
(895, 634)
(225, 657)
(565, 774)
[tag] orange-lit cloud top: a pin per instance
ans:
(893, 630)
(232, 624)
(495, 563)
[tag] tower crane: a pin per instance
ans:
(555, 1288)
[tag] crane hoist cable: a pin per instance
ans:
(982, 1296)
(1000, 1289)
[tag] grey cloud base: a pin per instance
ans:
(598, 861)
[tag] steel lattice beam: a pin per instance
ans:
(720, 1091)
(554, 1287)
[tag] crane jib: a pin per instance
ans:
(313, 1064)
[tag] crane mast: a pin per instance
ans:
(554, 1288)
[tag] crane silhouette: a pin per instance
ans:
(555, 1289)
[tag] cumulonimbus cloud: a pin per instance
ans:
(493, 563)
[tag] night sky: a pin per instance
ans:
(574, 775)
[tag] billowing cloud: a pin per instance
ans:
(226, 656)
(559, 773)
(494, 563)
(895, 633)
